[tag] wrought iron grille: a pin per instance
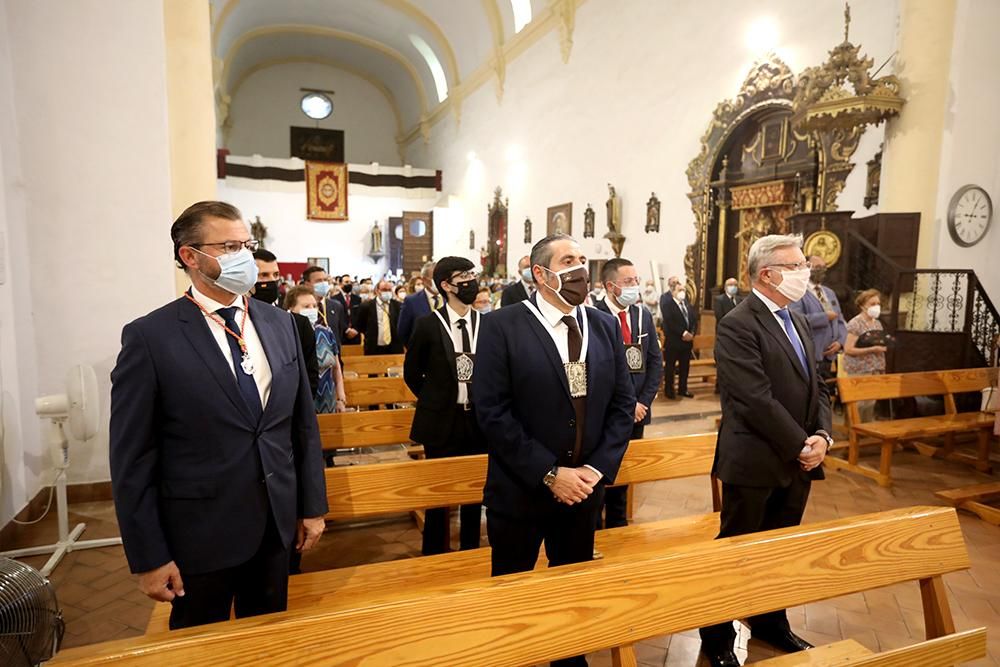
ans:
(937, 302)
(985, 324)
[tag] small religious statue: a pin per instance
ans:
(527, 230)
(258, 231)
(588, 222)
(653, 214)
(472, 239)
(376, 238)
(614, 206)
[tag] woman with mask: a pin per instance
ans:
(329, 395)
(868, 360)
(484, 301)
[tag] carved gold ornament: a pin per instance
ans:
(825, 244)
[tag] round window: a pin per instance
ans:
(418, 228)
(316, 105)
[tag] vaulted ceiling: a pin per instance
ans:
(380, 41)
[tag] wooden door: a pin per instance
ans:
(418, 240)
(395, 244)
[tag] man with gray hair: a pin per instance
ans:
(420, 303)
(775, 420)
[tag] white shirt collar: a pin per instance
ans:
(613, 307)
(772, 306)
(551, 314)
(211, 305)
(454, 317)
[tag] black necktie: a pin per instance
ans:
(247, 386)
(466, 345)
(574, 339)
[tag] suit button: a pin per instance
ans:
(572, 423)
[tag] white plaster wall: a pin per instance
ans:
(267, 104)
(629, 108)
(971, 147)
(86, 190)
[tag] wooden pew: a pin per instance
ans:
(356, 492)
(976, 499)
(347, 430)
(376, 364)
(888, 434)
(352, 350)
(366, 392)
(535, 617)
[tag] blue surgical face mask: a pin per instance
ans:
(385, 296)
(311, 313)
(526, 274)
(485, 309)
(630, 295)
(238, 271)
(321, 288)
(732, 290)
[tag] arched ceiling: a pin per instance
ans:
(371, 38)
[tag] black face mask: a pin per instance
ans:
(266, 291)
(467, 291)
(346, 289)
(817, 275)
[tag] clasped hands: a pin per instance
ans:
(813, 452)
(574, 485)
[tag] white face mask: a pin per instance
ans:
(312, 314)
(682, 295)
(794, 284)
(874, 311)
(629, 295)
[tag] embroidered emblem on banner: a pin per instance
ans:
(464, 365)
(576, 374)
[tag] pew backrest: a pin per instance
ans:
(891, 385)
(371, 428)
(364, 392)
(376, 364)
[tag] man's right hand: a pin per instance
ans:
(831, 315)
(162, 584)
(570, 486)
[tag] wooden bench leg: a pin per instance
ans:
(885, 463)
(983, 451)
(716, 493)
(853, 451)
(937, 613)
(623, 656)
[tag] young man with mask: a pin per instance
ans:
(214, 371)
(351, 302)
(554, 399)
(775, 421)
(523, 288)
(822, 310)
(378, 319)
(729, 299)
(438, 370)
(331, 310)
(422, 302)
(642, 356)
(680, 324)
(266, 290)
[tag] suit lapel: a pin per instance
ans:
(548, 346)
(195, 328)
(447, 341)
(268, 334)
(766, 318)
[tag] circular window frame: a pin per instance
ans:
(316, 95)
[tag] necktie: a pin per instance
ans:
(822, 297)
(247, 386)
(466, 345)
(786, 318)
(384, 330)
(684, 312)
(575, 341)
(626, 332)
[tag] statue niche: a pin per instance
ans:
(495, 258)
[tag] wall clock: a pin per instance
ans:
(970, 213)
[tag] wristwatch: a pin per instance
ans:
(550, 477)
(829, 440)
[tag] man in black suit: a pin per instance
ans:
(351, 303)
(680, 324)
(642, 355)
(266, 290)
(554, 399)
(216, 461)
(378, 319)
(331, 311)
(518, 291)
(422, 302)
(438, 370)
(775, 420)
(729, 299)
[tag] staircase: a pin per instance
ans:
(941, 318)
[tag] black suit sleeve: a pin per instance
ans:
(717, 307)
(740, 367)
(507, 296)
(135, 455)
(654, 361)
(307, 338)
(415, 361)
(364, 314)
(306, 445)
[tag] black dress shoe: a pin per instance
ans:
(783, 640)
(723, 659)
(687, 394)
(672, 397)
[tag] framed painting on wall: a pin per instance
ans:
(321, 262)
(326, 191)
(317, 143)
(559, 219)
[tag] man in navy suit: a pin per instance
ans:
(553, 397)
(216, 462)
(642, 355)
(418, 304)
(826, 320)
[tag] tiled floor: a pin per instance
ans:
(100, 601)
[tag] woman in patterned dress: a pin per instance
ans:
(330, 395)
(865, 360)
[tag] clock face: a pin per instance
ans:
(969, 215)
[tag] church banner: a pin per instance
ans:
(326, 191)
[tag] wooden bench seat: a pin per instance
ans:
(535, 617)
(915, 431)
(947, 651)
(976, 499)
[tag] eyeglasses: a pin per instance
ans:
(629, 282)
(231, 246)
(795, 267)
(463, 276)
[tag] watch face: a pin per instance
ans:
(969, 215)
(316, 105)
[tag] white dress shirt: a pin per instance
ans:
(774, 308)
(261, 368)
(456, 339)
